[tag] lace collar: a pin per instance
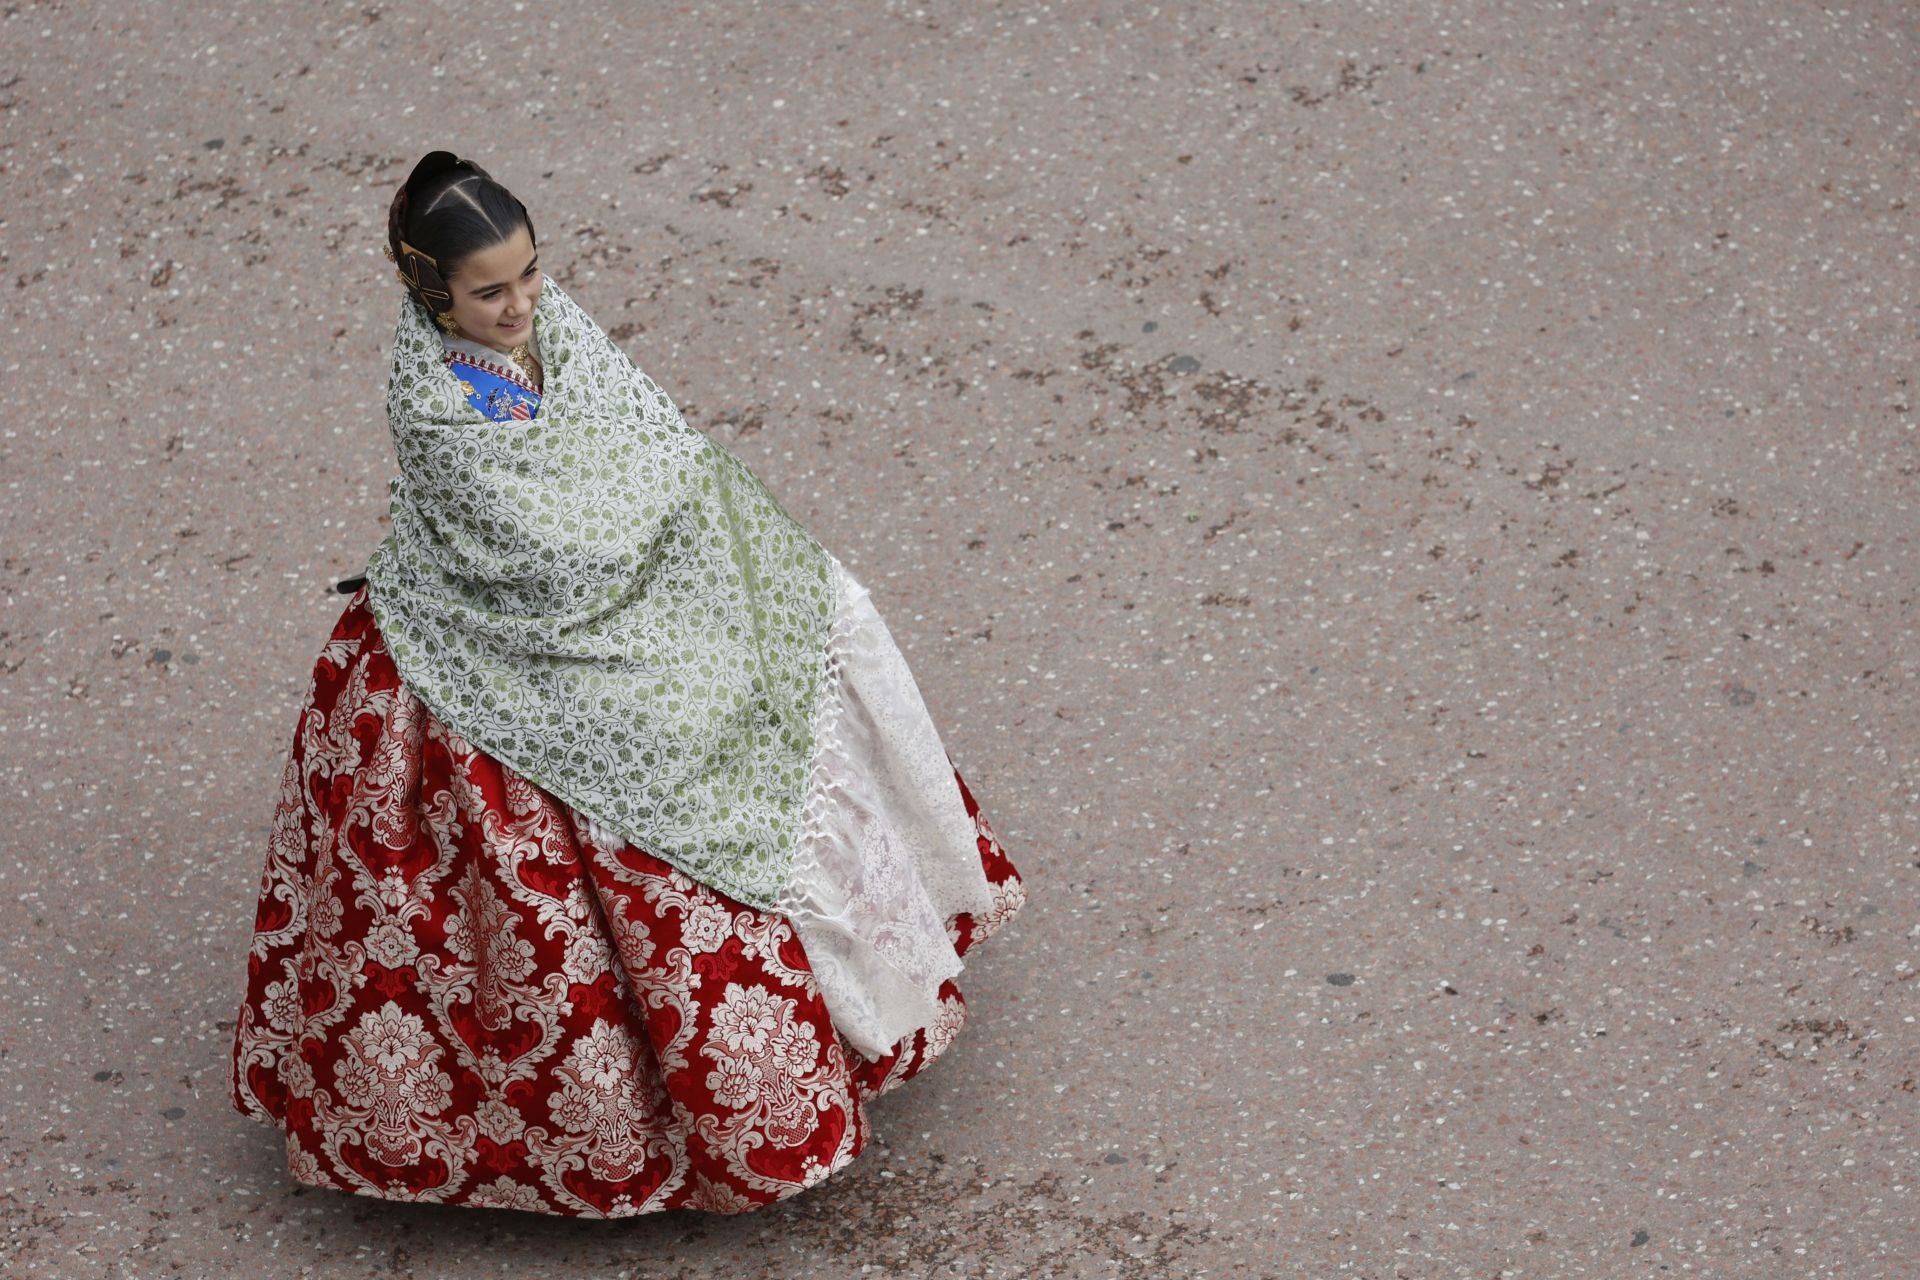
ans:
(495, 361)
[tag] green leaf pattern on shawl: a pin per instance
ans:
(607, 601)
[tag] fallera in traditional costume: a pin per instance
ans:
(617, 862)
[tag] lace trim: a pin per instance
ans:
(514, 375)
(887, 853)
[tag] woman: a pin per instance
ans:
(617, 862)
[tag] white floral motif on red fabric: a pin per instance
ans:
(456, 993)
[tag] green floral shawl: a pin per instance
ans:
(607, 601)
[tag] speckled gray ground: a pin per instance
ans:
(1406, 513)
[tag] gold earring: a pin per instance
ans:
(446, 320)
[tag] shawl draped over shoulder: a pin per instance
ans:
(606, 600)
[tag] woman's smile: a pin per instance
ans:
(496, 291)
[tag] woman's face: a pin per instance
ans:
(494, 291)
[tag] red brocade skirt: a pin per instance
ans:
(456, 995)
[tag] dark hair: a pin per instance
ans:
(446, 211)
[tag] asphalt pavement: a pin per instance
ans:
(1403, 513)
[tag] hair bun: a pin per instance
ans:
(430, 166)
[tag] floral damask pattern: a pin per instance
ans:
(460, 992)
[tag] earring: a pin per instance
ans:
(446, 320)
